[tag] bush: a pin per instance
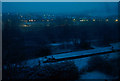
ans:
(100, 64)
(85, 45)
(63, 71)
(43, 51)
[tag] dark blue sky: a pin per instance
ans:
(87, 8)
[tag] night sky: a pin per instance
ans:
(86, 8)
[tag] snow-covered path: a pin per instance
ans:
(78, 54)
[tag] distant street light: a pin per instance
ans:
(116, 20)
(107, 20)
(93, 20)
(73, 19)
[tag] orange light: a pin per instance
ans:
(116, 20)
(25, 25)
(31, 20)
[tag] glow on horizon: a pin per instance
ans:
(91, 9)
(60, 0)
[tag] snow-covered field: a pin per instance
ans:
(33, 62)
(83, 65)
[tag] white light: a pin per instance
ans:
(47, 20)
(73, 19)
(107, 20)
(81, 20)
(93, 20)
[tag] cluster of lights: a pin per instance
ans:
(25, 25)
(32, 20)
(81, 20)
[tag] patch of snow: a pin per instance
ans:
(55, 44)
(81, 63)
(95, 75)
(33, 62)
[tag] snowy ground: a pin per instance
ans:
(34, 62)
(82, 63)
(95, 75)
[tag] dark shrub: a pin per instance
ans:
(58, 71)
(43, 51)
(63, 71)
(100, 64)
(85, 45)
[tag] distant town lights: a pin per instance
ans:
(81, 20)
(31, 20)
